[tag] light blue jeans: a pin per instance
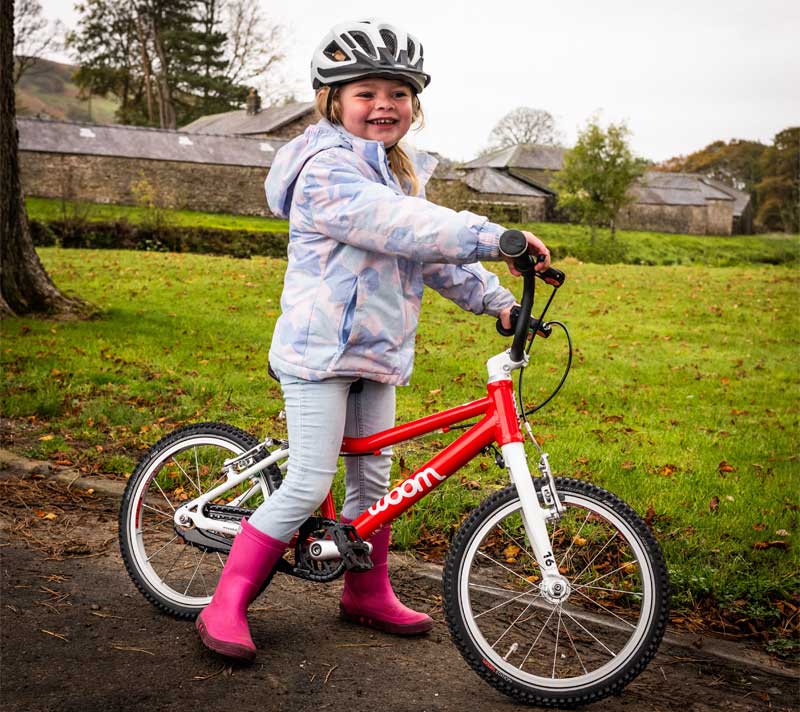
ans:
(318, 415)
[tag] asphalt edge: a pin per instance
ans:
(738, 654)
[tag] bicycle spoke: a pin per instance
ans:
(502, 566)
(504, 603)
(194, 573)
(599, 578)
(155, 481)
(575, 648)
(594, 558)
(158, 511)
(156, 553)
(513, 623)
(555, 648)
(533, 644)
(607, 610)
(186, 474)
(589, 633)
(564, 561)
(610, 590)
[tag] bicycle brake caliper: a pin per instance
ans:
(549, 492)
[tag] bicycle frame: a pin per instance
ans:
(499, 423)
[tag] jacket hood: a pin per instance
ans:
(291, 159)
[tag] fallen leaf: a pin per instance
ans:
(435, 391)
(510, 553)
(771, 545)
(725, 467)
(667, 470)
(713, 504)
(781, 532)
(45, 438)
(627, 465)
(759, 527)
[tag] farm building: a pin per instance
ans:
(283, 122)
(133, 165)
(679, 202)
(665, 202)
(487, 191)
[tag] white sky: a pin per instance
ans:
(681, 74)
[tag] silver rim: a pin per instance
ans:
(176, 571)
(568, 645)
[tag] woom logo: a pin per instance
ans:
(421, 482)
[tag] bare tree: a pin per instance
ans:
(33, 36)
(254, 48)
(524, 125)
(25, 286)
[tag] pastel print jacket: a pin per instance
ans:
(360, 252)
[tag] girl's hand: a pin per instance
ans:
(536, 248)
(505, 317)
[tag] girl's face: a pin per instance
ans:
(377, 109)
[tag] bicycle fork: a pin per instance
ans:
(553, 586)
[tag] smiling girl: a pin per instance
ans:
(363, 243)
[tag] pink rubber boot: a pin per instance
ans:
(368, 597)
(223, 623)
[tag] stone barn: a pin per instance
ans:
(680, 203)
(132, 165)
(281, 122)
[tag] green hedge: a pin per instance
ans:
(122, 235)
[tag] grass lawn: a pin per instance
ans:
(630, 247)
(683, 397)
(51, 209)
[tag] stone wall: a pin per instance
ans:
(714, 218)
(105, 179)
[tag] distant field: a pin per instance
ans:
(683, 397)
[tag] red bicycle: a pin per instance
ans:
(555, 590)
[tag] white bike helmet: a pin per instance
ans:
(370, 48)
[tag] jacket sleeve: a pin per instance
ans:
(472, 287)
(337, 197)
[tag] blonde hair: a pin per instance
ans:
(329, 106)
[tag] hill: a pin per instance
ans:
(47, 89)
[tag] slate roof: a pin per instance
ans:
(240, 123)
(138, 142)
(740, 199)
(656, 188)
(490, 180)
(526, 155)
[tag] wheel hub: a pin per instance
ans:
(555, 589)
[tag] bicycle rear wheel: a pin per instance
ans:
(174, 574)
(557, 653)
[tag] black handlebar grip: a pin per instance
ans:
(514, 245)
(554, 277)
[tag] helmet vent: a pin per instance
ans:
(364, 42)
(411, 47)
(333, 51)
(390, 41)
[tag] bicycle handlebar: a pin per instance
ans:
(514, 246)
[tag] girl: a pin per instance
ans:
(363, 242)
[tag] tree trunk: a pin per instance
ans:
(613, 225)
(25, 287)
(147, 69)
(166, 107)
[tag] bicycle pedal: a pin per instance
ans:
(352, 548)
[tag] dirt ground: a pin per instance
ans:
(77, 635)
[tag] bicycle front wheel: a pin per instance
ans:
(557, 653)
(176, 575)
